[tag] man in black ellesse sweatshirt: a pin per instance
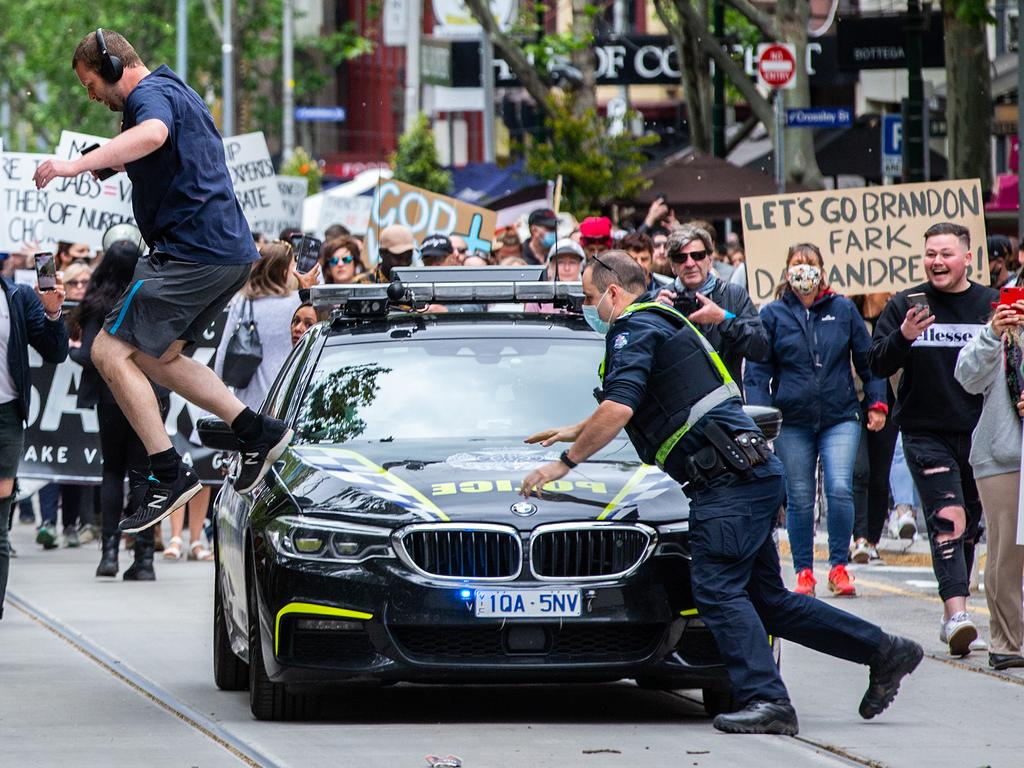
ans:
(934, 412)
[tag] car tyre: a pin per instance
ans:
(230, 673)
(269, 700)
(718, 702)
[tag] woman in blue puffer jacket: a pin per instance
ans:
(813, 334)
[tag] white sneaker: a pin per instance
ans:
(959, 632)
(861, 551)
(873, 557)
(903, 522)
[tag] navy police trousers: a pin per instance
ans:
(738, 589)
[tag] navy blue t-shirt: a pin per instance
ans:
(182, 195)
(630, 351)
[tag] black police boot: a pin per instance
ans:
(896, 658)
(108, 560)
(761, 716)
(142, 568)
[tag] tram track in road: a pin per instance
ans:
(144, 687)
(844, 756)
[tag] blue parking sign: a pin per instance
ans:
(892, 145)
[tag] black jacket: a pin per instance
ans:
(737, 338)
(29, 326)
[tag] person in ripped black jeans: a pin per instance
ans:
(922, 330)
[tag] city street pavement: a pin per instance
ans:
(103, 672)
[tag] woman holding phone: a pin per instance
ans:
(813, 334)
(992, 365)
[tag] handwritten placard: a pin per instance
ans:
(871, 238)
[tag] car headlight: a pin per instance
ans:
(314, 538)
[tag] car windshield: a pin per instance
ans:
(448, 388)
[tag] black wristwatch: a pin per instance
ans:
(564, 458)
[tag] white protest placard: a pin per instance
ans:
(292, 190)
(871, 238)
(353, 213)
(252, 174)
(23, 208)
(87, 206)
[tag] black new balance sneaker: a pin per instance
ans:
(161, 499)
(258, 455)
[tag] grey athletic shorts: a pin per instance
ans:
(170, 299)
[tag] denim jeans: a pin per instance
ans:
(902, 484)
(799, 448)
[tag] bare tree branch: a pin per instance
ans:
(763, 21)
(691, 77)
(510, 52)
(744, 130)
(694, 25)
(214, 18)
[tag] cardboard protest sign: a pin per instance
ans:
(24, 210)
(871, 238)
(353, 213)
(87, 206)
(292, 191)
(427, 213)
(252, 174)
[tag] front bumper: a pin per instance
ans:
(379, 621)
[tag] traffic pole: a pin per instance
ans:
(227, 121)
(780, 142)
(288, 86)
(181, 60)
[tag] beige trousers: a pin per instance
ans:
(1004, 567)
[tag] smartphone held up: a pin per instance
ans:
(46, 272)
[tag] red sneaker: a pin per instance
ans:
(805, 582)
(840, 582)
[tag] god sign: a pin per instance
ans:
(427, 213)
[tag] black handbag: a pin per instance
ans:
(244, 352)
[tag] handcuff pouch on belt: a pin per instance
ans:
(726, 454)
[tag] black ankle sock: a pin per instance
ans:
(247, 425)
(164, 465)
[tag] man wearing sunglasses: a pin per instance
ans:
(663, 383)
(722, 311)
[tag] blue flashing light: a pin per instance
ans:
(465, 594)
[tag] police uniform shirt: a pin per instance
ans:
(630, 350)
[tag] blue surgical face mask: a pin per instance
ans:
(549, 239)
(592, 315)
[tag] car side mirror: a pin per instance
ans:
(768, 420)
(216, 434)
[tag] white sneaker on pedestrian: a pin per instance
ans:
(861, 552)
(903, 522)
(959, 632)
(873, 557)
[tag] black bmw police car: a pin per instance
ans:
(389, 542)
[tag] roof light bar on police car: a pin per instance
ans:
(372, 299)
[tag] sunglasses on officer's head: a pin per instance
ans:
(682, 258)
(333, 261)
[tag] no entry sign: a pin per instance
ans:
(776, 67)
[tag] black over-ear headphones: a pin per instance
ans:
(111, 67)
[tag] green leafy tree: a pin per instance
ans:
(38, 37)
(416, 162)
(596, 166)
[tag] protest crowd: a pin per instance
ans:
(885, 441)
(899, 378)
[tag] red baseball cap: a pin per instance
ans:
(596, 228)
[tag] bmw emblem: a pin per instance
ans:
(524, 509)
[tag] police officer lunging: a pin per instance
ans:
(669, 389)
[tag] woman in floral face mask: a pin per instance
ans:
(813, 334)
